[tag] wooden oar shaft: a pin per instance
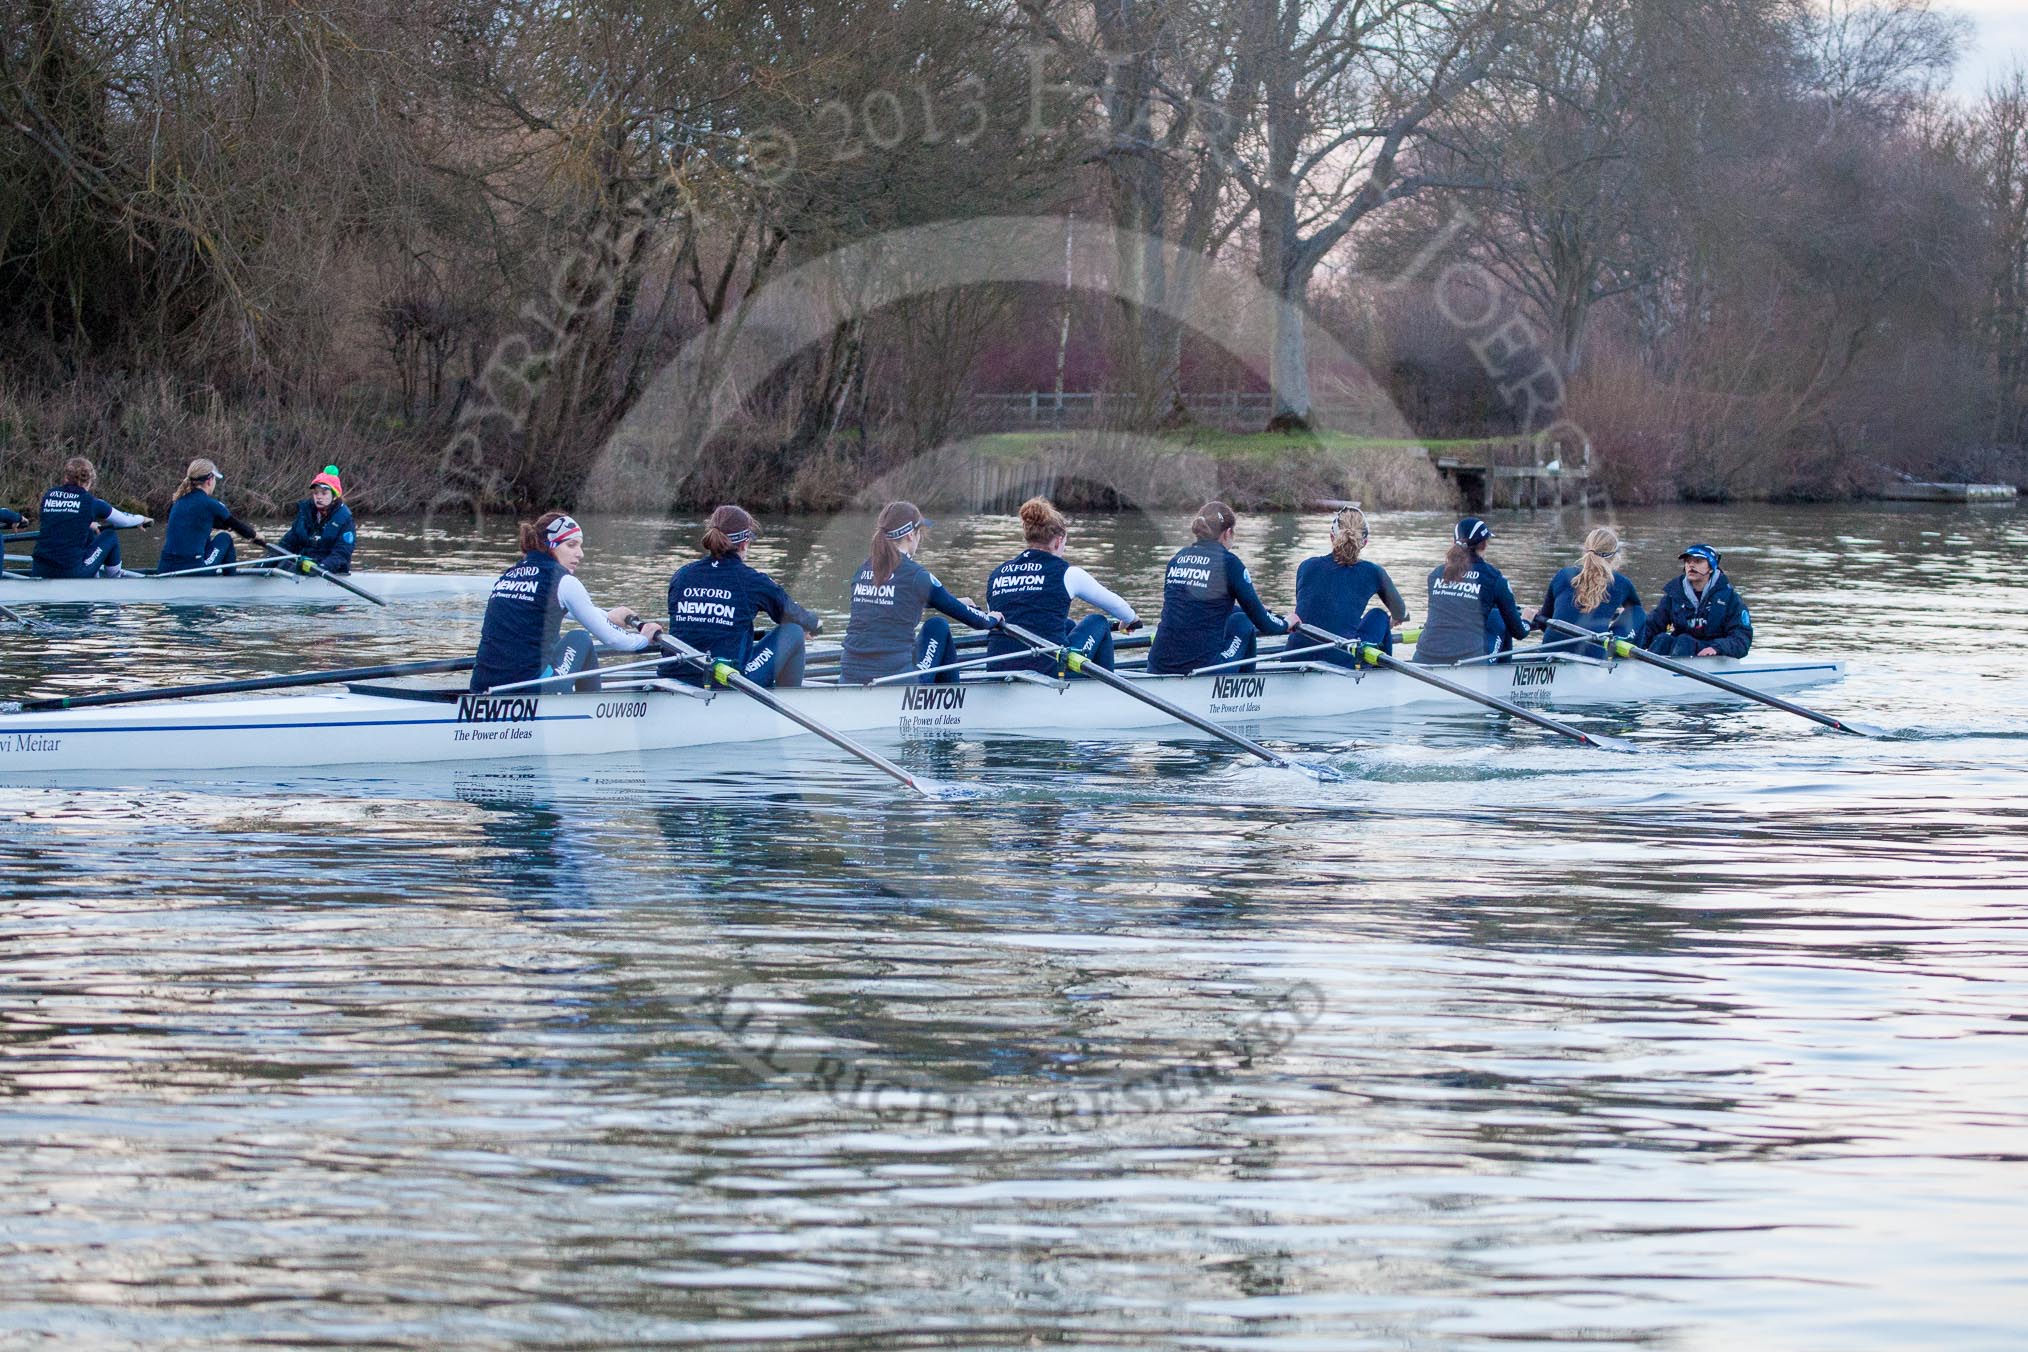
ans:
(1370, 652)
(252, 683)
(1095, 672)
(726, 674)
(1628, 648)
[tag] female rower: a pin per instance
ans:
(1337, 591)
(521, 638)
(1210, 611)
(322, 531)
(190, 539)
(1471, 607)
(80, 532)
(712, 604)
(9, 518)
(1591, 594)
(889, 595)
(1034, 589)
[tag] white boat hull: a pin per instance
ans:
(363, 726)
(266, 587)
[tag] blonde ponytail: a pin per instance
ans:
(1348, 535)
(1595, 572)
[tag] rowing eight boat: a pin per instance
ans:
(252, 588)
(368, 724)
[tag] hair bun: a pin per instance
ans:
(1041, 522)
(1213, 519)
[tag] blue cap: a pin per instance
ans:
(1472, 531)
(1704, 552)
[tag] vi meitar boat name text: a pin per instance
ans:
(28, 742)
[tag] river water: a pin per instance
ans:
(1500, 1042)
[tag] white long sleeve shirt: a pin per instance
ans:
(1082, 586)
(577, 603)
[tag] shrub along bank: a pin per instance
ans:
(142, 432)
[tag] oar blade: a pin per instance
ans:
(946, 790)
(1607, 742)
(1858, 729)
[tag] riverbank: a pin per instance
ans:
(141, 431)
(1093, 470)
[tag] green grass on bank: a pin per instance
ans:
(1220, 445)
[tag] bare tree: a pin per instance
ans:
(710, 148)
(153, 156)
(1872, 59)
(1163, 88)
(1996, 148)
(1590, 143)
(1345, 93)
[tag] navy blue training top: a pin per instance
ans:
(1622, 603)
(523, 621)
(10, 518)
(327, 539)
(1204, 584)
(66, 514)
(1028, 589)
(1335, 596)
(1462, 615)
(712, 604)
(880, 636)
(192, 519)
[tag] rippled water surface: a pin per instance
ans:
(1501, 1041)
